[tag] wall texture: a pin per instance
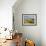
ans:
(28, 7)
(6, 16)
(43, 22)
(6, 13)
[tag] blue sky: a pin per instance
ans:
(28, 16)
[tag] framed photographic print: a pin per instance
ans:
(29, 19)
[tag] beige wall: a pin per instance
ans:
(43, 22)
(6, 16)
(6, 13)
(28, 7)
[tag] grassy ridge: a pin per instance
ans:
(28, 20)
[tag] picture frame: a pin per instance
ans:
(29, 19)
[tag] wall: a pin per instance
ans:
(28, 7)
(6, 13)
(43, 22)
(6, 16)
